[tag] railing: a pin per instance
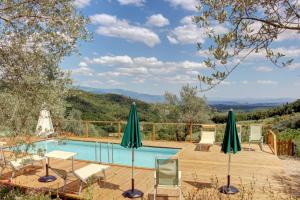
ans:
(121, 125)
(110, 157)
(279, 147)
(272, 141)
(150, 130)
(285, 148)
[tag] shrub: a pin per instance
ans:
(288, 134)
(10, 193)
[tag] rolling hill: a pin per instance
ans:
(107, 106)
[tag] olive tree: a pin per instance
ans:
(252, 27)
(35, 35)
(187, 108)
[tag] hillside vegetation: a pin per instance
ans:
(108, 107)
(284, 120)
(286, 109)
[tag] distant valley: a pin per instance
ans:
(221, 104)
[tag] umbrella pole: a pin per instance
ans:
(228, 189)
(228, 176)
(132, 180)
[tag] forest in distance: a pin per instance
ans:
(91, 106)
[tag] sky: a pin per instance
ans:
(149, 46)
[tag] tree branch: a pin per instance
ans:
(271, 23)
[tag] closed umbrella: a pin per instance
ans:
(132, 139)
(231, 143)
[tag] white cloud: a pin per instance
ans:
(192, 65)
(150, 63)
(114, 82)
(82, 3)
(157, 20)
(226, 83)
(134, 71)
(172, 39)
(267, 82)
(187, 20)
(138, 81)
(83, 64)
(183, 79)
(83, 71)
(112, 60)
(103, 19)
(111, 26)
(140, 69)
(190, 33)
(91, 83)
(263, 69)
(186, 34)
(294, 66)
(109, 74)
(290, 52)
(194, 73)
(288, 35)
(185, 4)
(245, 82)
(133, 2)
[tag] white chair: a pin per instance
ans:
(20, 163)
(256, 135)
(239, 129)
(167, 175)
(208, 137)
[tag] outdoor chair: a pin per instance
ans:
(208, 137)
(256, 135)
(23, 162)
(239, 130)
(19, 164)
(167, 175)
(84, 174)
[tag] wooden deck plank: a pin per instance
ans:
(197, 169)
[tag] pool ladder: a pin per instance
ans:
(108, 152)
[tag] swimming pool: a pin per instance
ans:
(108, 153)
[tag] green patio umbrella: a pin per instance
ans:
(132, 139)
(231, 143)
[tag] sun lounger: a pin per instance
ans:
(83, 174)
(89, 171)
(20, 163)
(208, 137)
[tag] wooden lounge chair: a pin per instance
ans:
(256, 135)
(208, 137)
(83, 174)
(167, 175)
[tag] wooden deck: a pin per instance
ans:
(198, 168)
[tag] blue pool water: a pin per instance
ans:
(144, 156)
